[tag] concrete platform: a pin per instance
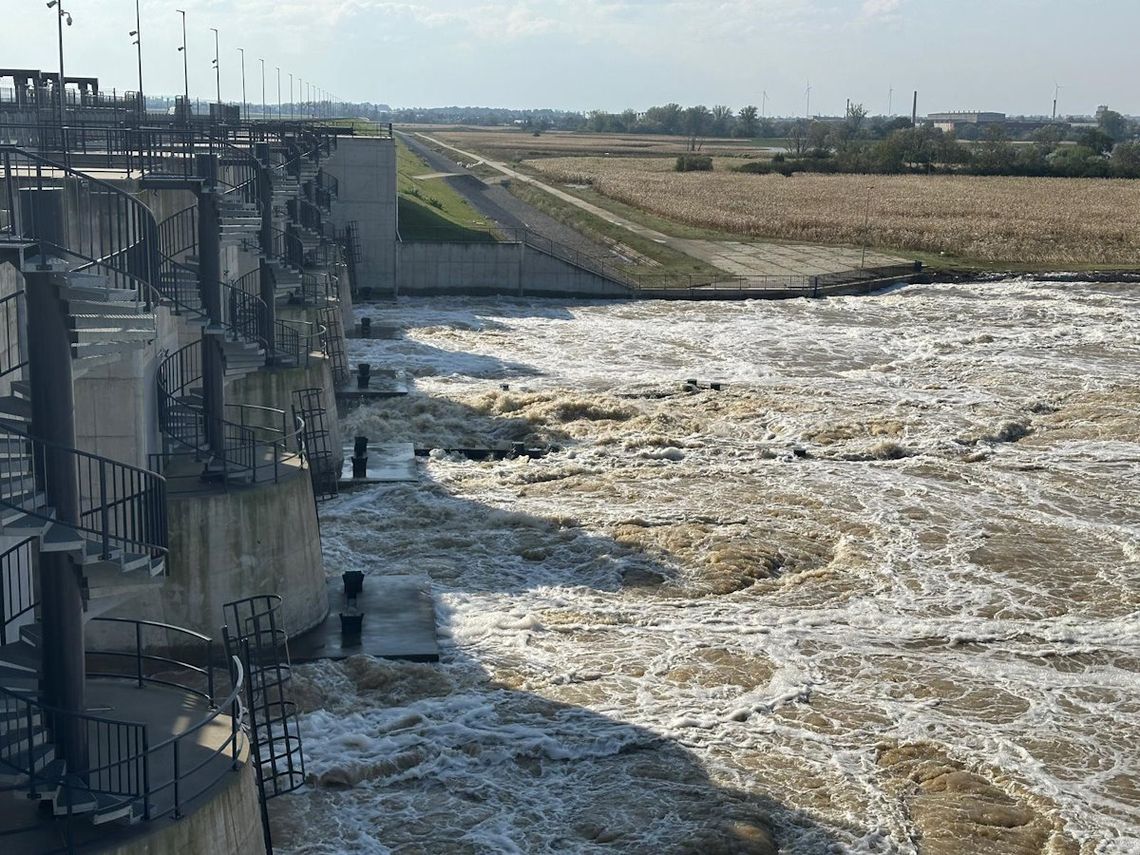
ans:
(399, 623)
(387, 464)
(383, 383)
(27, 828)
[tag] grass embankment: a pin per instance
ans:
(428, 208)
(948, 221)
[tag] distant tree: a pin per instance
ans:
(1050, 136)
(747, 123)
(819, 138)
(698, 119)
(1096, 139)
(995, 154)
(629, 121)
(667, 119)
(797, 134)
(1113, 124)
(722, 120)
(853, 122)
(1078, 161)
(1125, 161)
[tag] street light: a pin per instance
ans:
(290, 94)
(218, 71)
(59, 21)
(263, 116)
(244, 109)
(279, 113)
(185, 70)
(137, 33)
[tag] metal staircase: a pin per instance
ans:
(93, 263)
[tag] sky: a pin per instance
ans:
(1003, 55)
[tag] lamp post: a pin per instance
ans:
(244, 108)
(185, 71)
(263, 116)
(290, 94)
(279, 113)
(137, 33)
(60, 15)
(217, 71)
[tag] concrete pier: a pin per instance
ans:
(399, 623)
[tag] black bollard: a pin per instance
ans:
(353, 584)
(506, 387)
(351, 625)
(360, 457)
(716, 387)
(363, 375)
(366, 327)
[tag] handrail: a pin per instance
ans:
(13, 356)
(17, 589)
(120, 506)
(112, 228)
(129, 768)
(182, 421)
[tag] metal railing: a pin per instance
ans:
(95, 227)
(254, 453)
(17, 588)
(121, 507)
(126, 763)
(13, 317)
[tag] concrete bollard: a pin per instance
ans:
(366, 327)
(363, 375)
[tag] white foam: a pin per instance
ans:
(974, 592)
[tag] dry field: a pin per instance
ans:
(515, 145)
(1031, 222)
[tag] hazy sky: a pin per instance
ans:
(1004, 55)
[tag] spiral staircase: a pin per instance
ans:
(116, 539)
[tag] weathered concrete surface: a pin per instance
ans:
(431, 268)
(399, 623)
(232, 545)
(387, 464)
(365, 169)
(229, 823)
(126, 431)
(275, 387)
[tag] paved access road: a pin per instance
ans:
(740, 258)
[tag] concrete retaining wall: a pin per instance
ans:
(365, 169)
(229, 823)
(116, 405)
(430, 268)
(228, 546)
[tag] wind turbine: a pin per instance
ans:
(891, 102)
(807, 114)
(764, 104)
(1056, 95)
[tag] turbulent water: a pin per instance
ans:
(879, 593)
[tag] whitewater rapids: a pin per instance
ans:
(878, 594)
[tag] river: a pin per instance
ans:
(878, 593)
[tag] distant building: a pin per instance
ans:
(953, 120)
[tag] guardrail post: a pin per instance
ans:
(177, 781)
(138, 655)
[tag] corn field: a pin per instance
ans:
(1053, 222)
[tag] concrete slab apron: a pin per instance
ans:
(737, 258)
